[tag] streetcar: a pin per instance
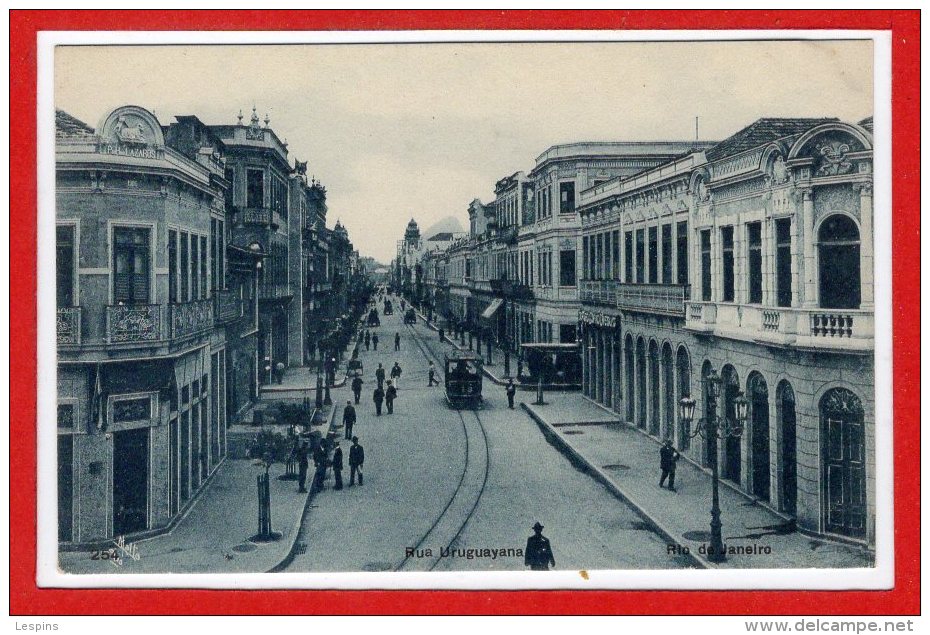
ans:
(388, 308)
(463, 379)
(373, 319)
(410, 317)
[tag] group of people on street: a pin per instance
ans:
(370, 339)
(322, 461)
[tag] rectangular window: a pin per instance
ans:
(184, 268)
(726, 247)
(653, 255)
(172, 265)
(195, 268)
(567, 268)
(705, 266)
(567, 197)
(666, 254)
(584, 252)
(615, 257)
(783, 261)
(640, 256)
(214, 260)
(255, 188)
(66, 416)
(682, 246)
(131, 263)
(549, 268)
(64, 264)
(597, 265)
(754, 236)
(203, 266)
(567, 333)
(628, 258)
(221, 255)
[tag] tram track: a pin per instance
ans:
(443, 535)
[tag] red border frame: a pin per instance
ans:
(27, 599)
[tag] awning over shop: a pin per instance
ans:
(492, 309)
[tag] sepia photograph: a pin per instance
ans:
(607, 308)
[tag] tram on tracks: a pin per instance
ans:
(463, 379)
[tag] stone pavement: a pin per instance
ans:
(627, 460)
(214, 534)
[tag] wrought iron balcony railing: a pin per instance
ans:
(599, 291)
(135, 323)
(227, 307)
(68, 325)
(190, 318)
(255, 216)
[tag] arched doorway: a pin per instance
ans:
(789, 454)
(759, 434)
(710, 449)
(683, 368)
(668, 393)
(628, 366)
(641, 383)
(654, 403)
(732, 451)
(838, 251)
(843, 447)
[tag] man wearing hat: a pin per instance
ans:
(356, 460)
(337, 466)
(538, 554)
(348, 418)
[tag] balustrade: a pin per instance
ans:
(68, 325)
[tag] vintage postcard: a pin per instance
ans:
(552, 310)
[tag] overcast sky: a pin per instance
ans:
(419, 130)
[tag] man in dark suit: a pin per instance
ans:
(378, 398)
(389, 396)
(337, 466)
(348, 418)
(511, 391)
(357, 388)
(538, 555)
(356, 460)
(302, 465)
(379, 375)
(668, 457)
(396, 341)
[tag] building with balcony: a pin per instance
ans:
(752, 257)
(142, 310)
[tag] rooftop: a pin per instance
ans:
(763, 131)
(69, 126)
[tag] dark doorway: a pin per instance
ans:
(65, 485)
(628, 379)
(732, 467)
(641, 383)
(654, 413)
(130, 480)
(789, 453)
(759, 398)
(844, 462)
(839, 263)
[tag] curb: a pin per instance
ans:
(292, 550)
(595, 472)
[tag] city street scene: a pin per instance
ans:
(465, 307)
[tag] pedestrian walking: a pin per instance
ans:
(395, 374)
(357, 388)
(356, 461)
(319, 460)
(337, 466)
(302, 464)
(389, 396)
(431, 373)
(396, 341)
(511, 391)
(279, 371)
(367, 340)
(379, 375)
(538, 554)
(378, 398)
(348, 418)
(374, 341)
(668, 458)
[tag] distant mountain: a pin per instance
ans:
(449, 224)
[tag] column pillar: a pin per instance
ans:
(866, 242)
(810, 256)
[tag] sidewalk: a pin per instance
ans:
(494, 371)
(213, 536)
(627, 462)
(299, 381)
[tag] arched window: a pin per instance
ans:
(758, 395)
(668, 394)
(787, 425)
(641, 383)
(629, 377)
(683, 369)
(838, 250)
(654, 414)
(843, 446)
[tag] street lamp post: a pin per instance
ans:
(713, 428)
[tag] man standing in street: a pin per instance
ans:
(379, 375)
(668, 457)
(538, 555)
(348, 418)
(396, 341)
(511, 391)
(337, 466)
(395, 374)
(356, 460)
(357, 388)
(319, 460)
(378, 399)
(302, 465)
(374, 341)
(390, 396)
(367, 340)
(431, 373)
